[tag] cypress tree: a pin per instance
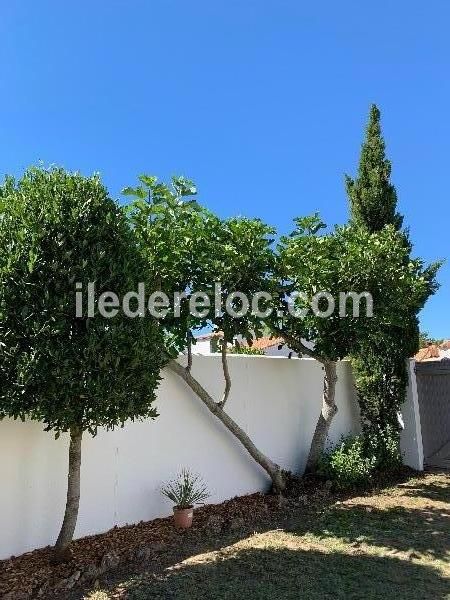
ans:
(380, 361)
(373, 199)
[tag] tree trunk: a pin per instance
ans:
(226, 374)
(61, 550)
(273, 470)
(329, 409)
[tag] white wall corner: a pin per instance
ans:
(411, 436)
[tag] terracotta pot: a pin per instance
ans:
(183, 516)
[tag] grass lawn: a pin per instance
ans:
(391, 544)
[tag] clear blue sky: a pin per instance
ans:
(263, 103)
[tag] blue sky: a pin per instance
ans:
(262, 103)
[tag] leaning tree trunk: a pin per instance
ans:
(273, 470)
(329, 409)
(61, 550)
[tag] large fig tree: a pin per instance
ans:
(194, 253)
(323, 279)
(71, 369)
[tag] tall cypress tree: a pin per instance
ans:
(373, 199)
(380, 361)
(373, 205)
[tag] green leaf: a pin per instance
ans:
(148, 180)
(138, 192)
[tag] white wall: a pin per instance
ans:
(277, 401)
(202, 347)
(411, 439)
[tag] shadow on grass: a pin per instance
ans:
(293, 574)
(430, 491)
(330, 551)
(418, 531)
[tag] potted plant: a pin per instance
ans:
(185, 491)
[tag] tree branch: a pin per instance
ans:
(189, 352)
(226, 374)
(329, 409)
(273, 470)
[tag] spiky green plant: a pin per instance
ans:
(185, 491)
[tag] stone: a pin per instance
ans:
(109, 561)
(91, 571)
(71, 581)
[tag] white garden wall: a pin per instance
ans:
(276, 400)
(411, 440)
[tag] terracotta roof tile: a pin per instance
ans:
(428, 353)
(209, 336)
(267, 342)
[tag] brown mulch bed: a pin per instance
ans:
(156, 542)
(32, 576)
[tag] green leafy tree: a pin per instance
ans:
(171, 229)
(380, 362)
(74, 374)
(349, 259)
(193, 251)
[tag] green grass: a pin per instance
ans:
(394, 544)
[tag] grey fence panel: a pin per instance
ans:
(433, 386)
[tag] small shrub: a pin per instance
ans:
(347, 465)
(185, 491)
(384, 446)
(249, 350)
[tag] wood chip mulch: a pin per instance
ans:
(32, 576)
